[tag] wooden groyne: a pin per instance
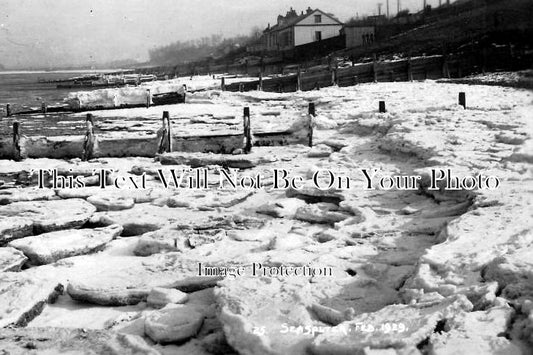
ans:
(45, 109)
(418, 68)
(85, 138)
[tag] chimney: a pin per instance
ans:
(309, 10)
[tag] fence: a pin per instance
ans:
(74, 137)
(418, 68)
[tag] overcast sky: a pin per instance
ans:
(63, 32)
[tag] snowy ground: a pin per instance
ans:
(412, 271)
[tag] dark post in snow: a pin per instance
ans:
(164, 134)
(241, 87)
(299, 79)
(148, 98)
(16, 142)
(44, 108)
(247, 131)
(375, 68)
(311, 118)
(223, 84)
(166, 116)
(88, 143)
(445, 66)
(382, 107)
(261, 80)
(462, 99)
(8, 110)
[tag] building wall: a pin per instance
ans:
(272, 41)
(286, 38)
(354, 35)
(306, 34)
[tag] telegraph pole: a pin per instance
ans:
(387, 8)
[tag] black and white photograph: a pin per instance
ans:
(282, 177)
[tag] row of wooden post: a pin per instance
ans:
(88, 142)
(335, 75)
(165, 143)
(462, 102)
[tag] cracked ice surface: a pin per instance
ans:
(412, 271)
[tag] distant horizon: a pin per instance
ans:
(65, 34)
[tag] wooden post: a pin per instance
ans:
(445, 67)
(44, 108)
(8, 110)
(148, 98)
(332, 77)
(88, 143)
(299, 79)
(409, 69)
(462, 99)
(241, 87)
(164, 133)
(261, 81)
(375, 68)
(382, 107)
(312, 114)
(223, 84)
(247, 131)
(17, 156)
(169, 134)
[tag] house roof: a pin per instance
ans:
(294, 20)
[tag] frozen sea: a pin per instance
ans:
(22, 89)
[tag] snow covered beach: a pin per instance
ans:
(413, 271)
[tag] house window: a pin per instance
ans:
(318, 18)
(318, 36)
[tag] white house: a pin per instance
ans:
(294, 30)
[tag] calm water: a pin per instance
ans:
(23, 90)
